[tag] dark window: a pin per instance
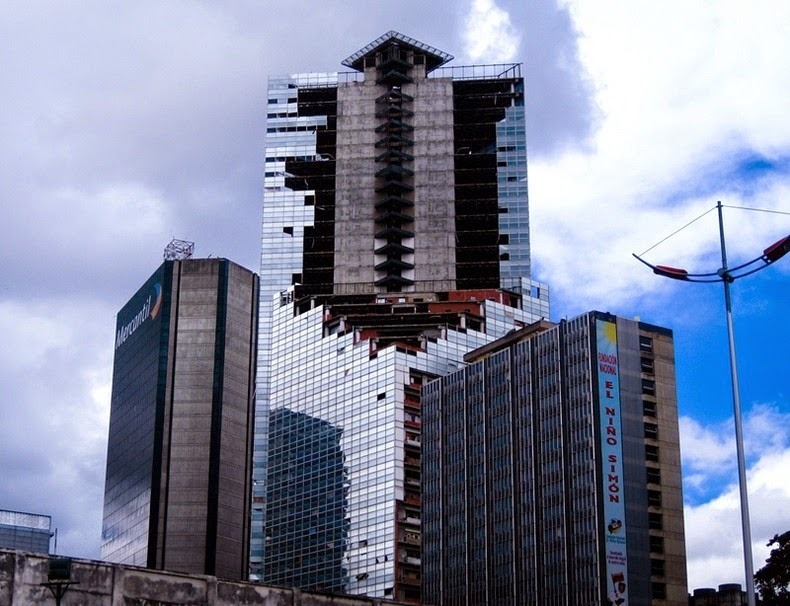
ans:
(647, 366)
(288, 230)
(656, 567)
(656, 521)
(654, 498)
(656, 544)
(648, 408)
(648, 387)
(653, 475)
(651, 431)
(659, 591)
(646, 344)
(651, 453)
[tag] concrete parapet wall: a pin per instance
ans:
(105, 584)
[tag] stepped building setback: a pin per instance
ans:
(395, 239)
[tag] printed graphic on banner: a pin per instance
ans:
(612, 461)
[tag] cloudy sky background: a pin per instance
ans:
(127, 124)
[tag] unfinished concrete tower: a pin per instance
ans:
(395, 239)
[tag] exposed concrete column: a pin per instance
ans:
(355, 181)
(434, 181)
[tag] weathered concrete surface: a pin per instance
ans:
(104, 584)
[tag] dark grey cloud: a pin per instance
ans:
(126, 124)
(165, 102)
(561, 113)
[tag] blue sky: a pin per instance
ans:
(126, 125)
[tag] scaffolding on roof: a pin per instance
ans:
(178, 250)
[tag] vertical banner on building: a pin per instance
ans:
(612, 464)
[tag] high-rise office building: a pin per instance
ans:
(25, 531)
(551, 470)
(177, 491)
(395, 239)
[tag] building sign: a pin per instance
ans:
(612, 464)
(149, 309)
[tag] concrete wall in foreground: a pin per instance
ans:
(104, 584)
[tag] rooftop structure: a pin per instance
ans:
(395, 239)
(25, 531)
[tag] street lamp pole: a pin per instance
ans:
(748, 560)
(726, 275)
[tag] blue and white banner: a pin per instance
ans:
(612, 464)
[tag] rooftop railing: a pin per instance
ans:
(458, 72)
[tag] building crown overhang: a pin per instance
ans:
(514, 336)
(433, 56)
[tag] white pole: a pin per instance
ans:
(748, 560)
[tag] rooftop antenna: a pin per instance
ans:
(178, 250)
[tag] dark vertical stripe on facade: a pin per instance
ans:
(516, 471)
(253, 353)
(478, 105)
(570, 570)
(169, 306)
(216, 418)
(540, 584)
(318, 249)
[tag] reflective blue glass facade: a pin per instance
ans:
(131, 488)
(344, 481)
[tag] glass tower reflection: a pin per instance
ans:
(306, 523)
(395, 238)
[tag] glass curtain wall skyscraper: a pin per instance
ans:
(395, 238)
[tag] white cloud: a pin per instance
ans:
(713, 529)
(489, 34)
(713, 523)
(709, 454)
(56, 362)
(684, 103)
